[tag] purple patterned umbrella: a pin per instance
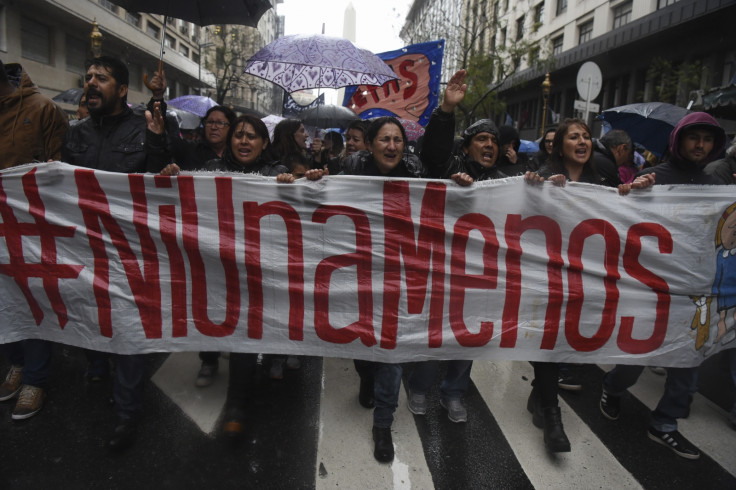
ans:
(299, 62)
(196, 104)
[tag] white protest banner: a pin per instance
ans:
(357, 267)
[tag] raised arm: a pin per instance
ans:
(440, 132)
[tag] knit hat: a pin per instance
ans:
(482, 126)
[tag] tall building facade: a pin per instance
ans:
(51, 39)
(431, 20)
(647, 50)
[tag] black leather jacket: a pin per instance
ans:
(438, 156)
(120, 143)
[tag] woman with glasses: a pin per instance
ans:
(214, 128)
(538, 160)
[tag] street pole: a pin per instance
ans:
(199, 78)
(546, 88)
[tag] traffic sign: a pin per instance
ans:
(580, 105)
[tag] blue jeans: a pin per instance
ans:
(35, 357)
(130, 375)
(386, 386)
(675, 401)
(453, 386)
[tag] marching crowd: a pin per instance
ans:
(117, 138)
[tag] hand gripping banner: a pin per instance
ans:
(369, 268)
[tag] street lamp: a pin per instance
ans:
(546, 88)
(95, 40)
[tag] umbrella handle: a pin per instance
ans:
(160, 70)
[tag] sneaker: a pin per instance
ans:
(277, 368)
(569, 382)
(293, 362)
(455, 410)
(660, 371)
(30, 402)
(675, 441)
(206, 374)
(417, 403)
(610, 405)
(12, 384)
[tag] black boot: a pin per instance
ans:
(533, 405)
(554, 435)
(122, 436)
(384, 449)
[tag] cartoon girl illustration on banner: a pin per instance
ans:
(724, 287)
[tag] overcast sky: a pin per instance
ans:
(378, 22)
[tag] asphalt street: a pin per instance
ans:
(308, 431)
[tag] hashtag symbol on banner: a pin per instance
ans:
(48, 270)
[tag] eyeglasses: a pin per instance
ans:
(548, 142)
(217, 124)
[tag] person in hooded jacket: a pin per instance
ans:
(32, 129)
(31, 125)
(510, 162)
(697, 140)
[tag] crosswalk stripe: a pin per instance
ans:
(505, 391)
(176, 378)
(706, 426)
(345, 450)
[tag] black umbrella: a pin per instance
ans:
(70, 96)
(648, 123)
(200, 12)
(328, 116)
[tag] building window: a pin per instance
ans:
(153, 31)
(665, 3)
(622, 14)
(133, 18)
(539, 13)
(557, 45)
(109, 6)
(135, 75)
(533, 55)
(76, 54)
(520, 28)
(170, 42)
(503, 37)
(585, 32)
(184, 50)
(561, 7)
(34, 41)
